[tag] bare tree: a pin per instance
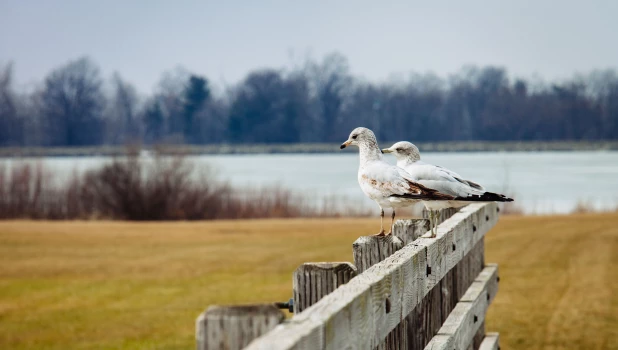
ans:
(11, 125)
(196, 96)
(72, 103)
(331, 84)
(170, 99)
(210, 122)
(124, 126)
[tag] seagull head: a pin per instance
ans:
(403, 150)
(358, 136)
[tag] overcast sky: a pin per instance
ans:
(225, 39)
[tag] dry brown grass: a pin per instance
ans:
(107, 284)
(559, 281)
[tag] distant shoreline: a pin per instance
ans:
(309, 148)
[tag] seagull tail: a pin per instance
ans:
(485, 197)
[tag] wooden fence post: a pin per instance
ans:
(410, 230)
(234, 327)
(313, 281)
(368, 251)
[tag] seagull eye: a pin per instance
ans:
(398, 150)
(354, 137)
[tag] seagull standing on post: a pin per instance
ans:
(388, 185)
(440, 179)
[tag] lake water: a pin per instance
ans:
(541, 182)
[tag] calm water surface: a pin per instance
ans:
(542, 182)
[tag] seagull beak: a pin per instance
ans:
(345, 144)
(386, 150)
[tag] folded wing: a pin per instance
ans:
(450, 183)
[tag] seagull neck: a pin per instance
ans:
(406, 161)
(369, 151)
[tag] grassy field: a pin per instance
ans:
(90, 285)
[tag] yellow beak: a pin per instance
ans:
(345, 144)
(386, 150)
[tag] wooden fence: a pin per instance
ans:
(403, 292)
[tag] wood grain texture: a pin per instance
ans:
(410, 230)
(356, 316)
(234, 327)
(426, 319)
(462, 325)
(478, 337)
(491, 342)
(313, 281)
(397, 339)
(370, 250)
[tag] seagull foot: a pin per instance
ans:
(381, 234)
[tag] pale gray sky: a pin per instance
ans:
(225, 39)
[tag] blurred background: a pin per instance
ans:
(199, 110)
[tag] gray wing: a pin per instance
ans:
(458, 177)
(443, 180)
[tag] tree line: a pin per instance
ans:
(318, 101)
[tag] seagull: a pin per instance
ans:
(388, 185)
(440, 179)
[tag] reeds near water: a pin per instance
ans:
(160, 188)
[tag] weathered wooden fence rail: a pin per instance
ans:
(403, 292)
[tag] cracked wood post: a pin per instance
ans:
(313, 281)
(368, 251)
(409, 230)
(234, 327)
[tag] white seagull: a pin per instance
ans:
(440, 179)
(388, 185)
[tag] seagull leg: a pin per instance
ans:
(433, 217)
(438, 220)
(381, 233)
(392, 222)
(431, 222)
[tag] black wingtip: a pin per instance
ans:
(485, 197)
